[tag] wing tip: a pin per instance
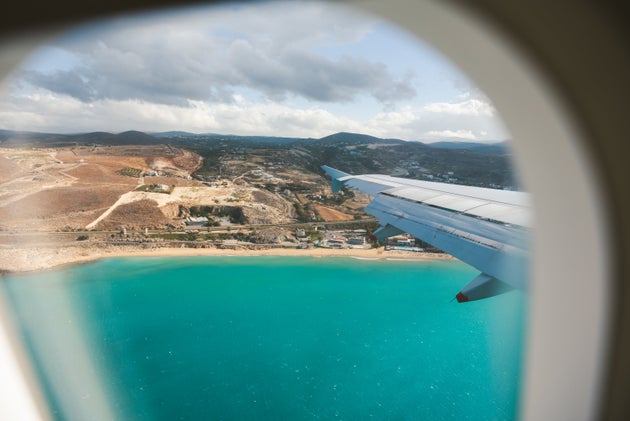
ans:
(483, 286)
(336, 175)
(461, 298)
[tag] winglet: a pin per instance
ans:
(482, 286)
(335, 175)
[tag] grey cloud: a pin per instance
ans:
(396, 90)
(166, 75)
(70, 83)
(171, 65)
(315, 77)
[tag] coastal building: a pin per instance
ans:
(403, 240)
(337, 243)
(356, 241)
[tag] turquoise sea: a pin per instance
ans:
(273, 338)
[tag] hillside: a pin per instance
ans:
(469, 163)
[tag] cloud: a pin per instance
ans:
(462, 134)
(67, 82)
(306, 70)
(434, 122)
(276, 55)
(315, 77)
(470, 107)
(63, 113)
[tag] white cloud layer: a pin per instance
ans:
(460, 134)
(470, 107)
(61, 113)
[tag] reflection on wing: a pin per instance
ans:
(486, 228)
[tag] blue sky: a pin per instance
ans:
(285, 69)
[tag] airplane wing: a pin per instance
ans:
(485, 228)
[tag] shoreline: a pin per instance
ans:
(37, 259)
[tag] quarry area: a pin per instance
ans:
(151, 194)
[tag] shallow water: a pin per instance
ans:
(274, 338)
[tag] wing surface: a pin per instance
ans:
(486, 228)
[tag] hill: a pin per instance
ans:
(345, 138)
(489, 148)
(469, 163)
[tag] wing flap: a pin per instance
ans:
(479, 207)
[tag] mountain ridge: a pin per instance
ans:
(14, 138)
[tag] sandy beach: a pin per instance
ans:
(43, 258)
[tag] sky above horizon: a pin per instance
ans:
(275, 69)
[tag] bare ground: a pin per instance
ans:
(330, 214)
(136, 215)
(52, 189)
(82, 187)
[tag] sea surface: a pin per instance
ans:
(270, 338)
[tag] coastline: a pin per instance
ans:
(32, 259)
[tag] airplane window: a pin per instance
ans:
(203, 144)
